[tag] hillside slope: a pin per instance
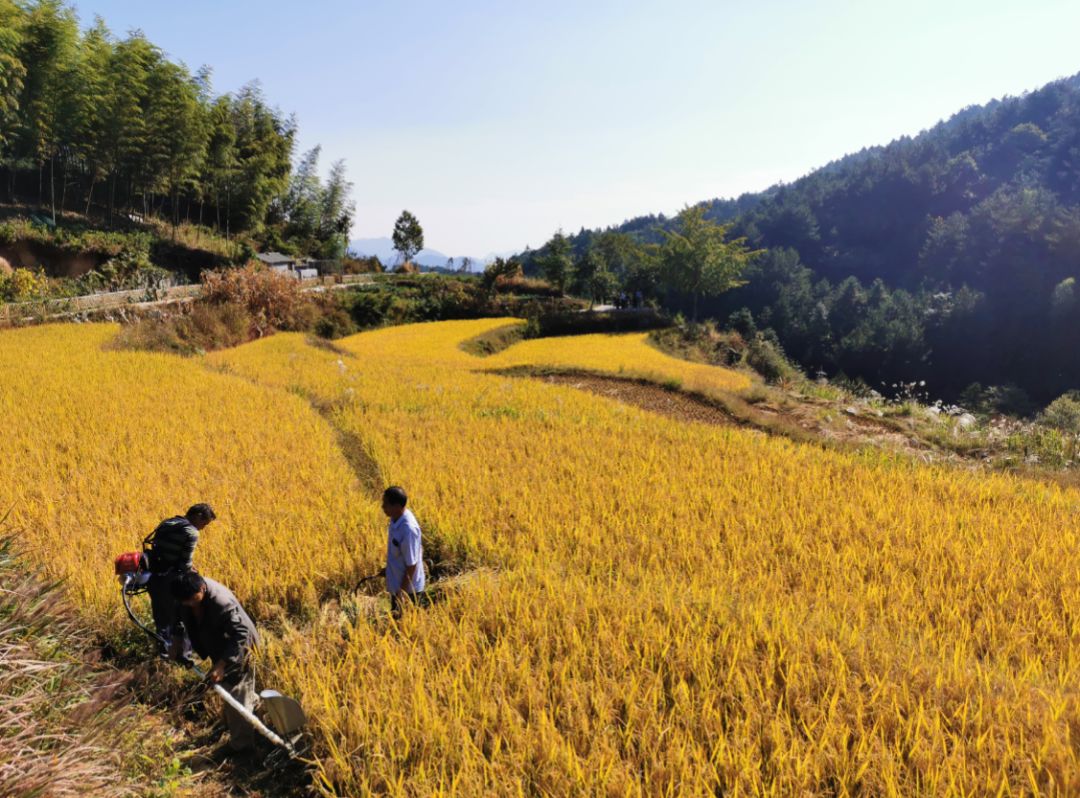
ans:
(963, 242)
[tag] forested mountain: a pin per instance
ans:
(110, 126)
(949, 257)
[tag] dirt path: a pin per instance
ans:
(653, 398)
(803, 422)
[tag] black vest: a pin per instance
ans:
(172, 544)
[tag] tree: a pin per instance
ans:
(180, 138)
(698, 261)
(303, 201)
(631, 264)
(87, 88)
(77, 110)
(12, 70)
(263, 159)
(555, 263)
(125, 133)
(220, 156)
(48, 41)
(592, 277)
(336, 213)
(408, 236)
(499, 270)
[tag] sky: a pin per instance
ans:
(496, 123)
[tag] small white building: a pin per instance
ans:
(286, 264)
(277, 262)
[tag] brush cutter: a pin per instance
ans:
(285, 714)
(365, 579)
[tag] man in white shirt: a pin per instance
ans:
(404, 550)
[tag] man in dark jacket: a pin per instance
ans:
(171, 547)
(220, 630)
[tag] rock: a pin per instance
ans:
(966, 420)
(851, 411)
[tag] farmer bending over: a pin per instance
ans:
(220, 630)
(404, 551)
(172, 545)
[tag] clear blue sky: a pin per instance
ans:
(497, 122)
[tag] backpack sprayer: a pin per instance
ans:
(285, 714)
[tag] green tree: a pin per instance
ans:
(336, 213)
(125, 132)
(408, 236)
(303, 201)
(592, 277)
(178, 145)
(499, 269)
(12, 70)
(555, 262)
(77, 110)
(48, 42)
(86, 101)
(697, 260)
(263, 160)
(220, 165)
(632, 263)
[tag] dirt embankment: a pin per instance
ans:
(55, 261)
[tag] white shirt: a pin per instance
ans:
(404, 548)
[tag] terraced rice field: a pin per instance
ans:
(648, 607)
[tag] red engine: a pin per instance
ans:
(131, 562)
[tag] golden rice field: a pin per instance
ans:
(660, 608)
(629, 355)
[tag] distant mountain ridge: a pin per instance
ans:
(383, 249)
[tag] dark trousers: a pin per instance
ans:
(162, 603)
(241, 687)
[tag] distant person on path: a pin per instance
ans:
(171, 547)
(405, 577)
(219, 629)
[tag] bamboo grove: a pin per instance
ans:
(93, 123)
(641, 606)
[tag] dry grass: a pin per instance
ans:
(66, 724)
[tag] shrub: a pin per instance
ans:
(367, 308)
(23, 285)
(571, 322)
(526, 286)
(334, 320)
(767, 358)
(368, 265)
(1063, 413)
(199, 327)
(1009, 399)
(742, 322)
(274, 301)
